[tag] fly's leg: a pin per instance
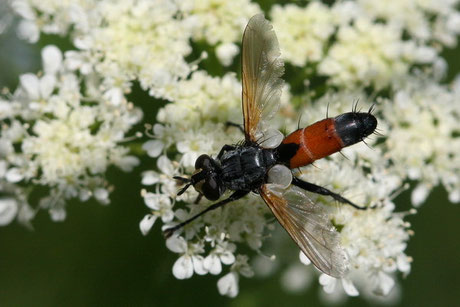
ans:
(235, 196)
(198, 199)
(224, 149)
(323, 191)
(230, 124)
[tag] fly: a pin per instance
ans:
(263, 162)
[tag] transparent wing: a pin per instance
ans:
(261, 72)
(308, 225)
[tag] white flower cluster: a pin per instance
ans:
(218, 21)
(345, 43)
(55, 136)
(367, 54)
(422, 139)
(303, 33)
(122, 41)
(423, 19)
(62, 128)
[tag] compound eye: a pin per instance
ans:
(211, 189)
(203, 162)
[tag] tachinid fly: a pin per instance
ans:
(263, 163)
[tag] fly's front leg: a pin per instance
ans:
(235, 196)
(323, 191)
(224, 149)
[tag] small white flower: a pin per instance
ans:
(228, 284)
(14, 175)
(52, 59)
(8, 210)
(102, 195)
(150, 177)
(153, 148)
(226, 52)
(303, 258)
(189, 261)
(296, 278)
(222, 253)
(382, 283)
(419, 195)
(28, 31)
(147, 223)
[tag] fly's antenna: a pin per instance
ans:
(327, 110)
(183, 180)
(184, 189)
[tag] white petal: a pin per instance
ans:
(28, 31)
(114, 95)
(304, 259)
(226, 52)
(296, 278)
(152, 201)
(227, 258)
(176, 244)
(349, 287)
(198, 265)
(47, 83)
(165, 165)
(167, 216)
(58, 214)
(212, 264)
(228, 284)
(52, 59)
(84, 195)
(149, 177)
(73, 60)
(23, 9)
(328, 283)
(8, 211)
(183, 267)
(30, 83)
(147, 222)
(127, 163)
(102, 195)
(403, 263)
(14, 175)
(454, 196)
(384, 284)
(153, 148)
(419, 194)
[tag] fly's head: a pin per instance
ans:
(205, 179)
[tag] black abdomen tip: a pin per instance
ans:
(353, 127)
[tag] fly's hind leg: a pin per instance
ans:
(323, 191)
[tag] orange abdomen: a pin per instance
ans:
(314, 142)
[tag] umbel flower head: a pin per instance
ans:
(57, 136)
(65, 126)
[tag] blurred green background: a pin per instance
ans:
(98, 257)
